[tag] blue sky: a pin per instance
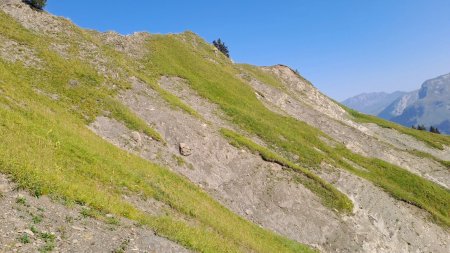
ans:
(344, 47)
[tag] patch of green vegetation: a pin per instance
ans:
(37, 219)
(46, 148)
(402, 185)
(173, 100)
(21, 200)
(49, 240)
(89, 213)
(330, 196)
(112, 221)
(445, 163)
(219, 83)
(433, 140)
(122, 247)
(262, 76)
(180, 160)
(24, 239)
(419, 153)
(118, 111)
(34, 229)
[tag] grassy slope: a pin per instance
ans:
(174, 55)
(257, 73)
(87, 100)
(47, 149)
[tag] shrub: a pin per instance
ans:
(37, 4)
(434, 130)
(219, 44)
(421, 127)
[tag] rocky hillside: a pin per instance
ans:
(159, 143)
(372, 103)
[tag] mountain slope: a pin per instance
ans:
(432, 106)
(268, 164)
(398, 106)
(428, 106)
(372, 103)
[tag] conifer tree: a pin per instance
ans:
(421, 127)
(219, 44)
(37, 4)
(434, 130)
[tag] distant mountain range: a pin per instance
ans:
(429, 105)
(372, 103)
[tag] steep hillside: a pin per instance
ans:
(372, 103)
(163, 144)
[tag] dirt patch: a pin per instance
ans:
(13, 51)
(132, 45)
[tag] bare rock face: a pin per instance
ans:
(185, 150)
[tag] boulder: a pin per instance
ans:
(185, 150)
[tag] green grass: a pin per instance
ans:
(24, 239)
(47, 149)
(301, 143)
(433, 140)
(87, 100)
(403, 185)
(329, 195)
(171, 99)
(261, 75)
(118, 111)
(418, 153)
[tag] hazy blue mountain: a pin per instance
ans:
(429, 106)
(398, 106)
(372, 103)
